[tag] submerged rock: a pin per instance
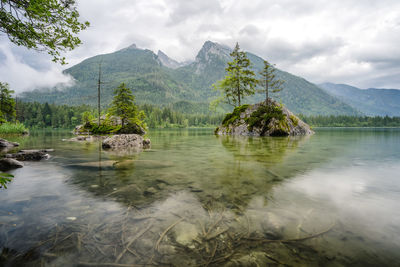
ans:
(105, 164)
(255, 258)
(30, 155)
(5, 143)
(9, 164)
(186, 233)
(86, 138)
(126, 141)
(263, 119)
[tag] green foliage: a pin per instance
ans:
(103, 128)
(123, 104)
(239, 81)
(37, 115)
(43, 25)
(33, 115)
(294, 120)
(7, 103)
(4, 179)
(230, 118)
(87, 117)
(169, 117)
(351, 121)
(266, 113)
(269, 80)
(13, 128)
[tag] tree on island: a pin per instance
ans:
(123, 104)
(42, 25)
(240, 80)
(269, 80)
(7, 103)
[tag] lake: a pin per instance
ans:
(195, 199)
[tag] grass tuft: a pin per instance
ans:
(13, 128)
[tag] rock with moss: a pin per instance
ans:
(109, 125)
(263, 119)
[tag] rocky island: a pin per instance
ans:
(263, 119)
(121, 128)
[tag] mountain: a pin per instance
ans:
(299, 95)
(169, 62)
(160, 80)
(372, 101)
(140, 69)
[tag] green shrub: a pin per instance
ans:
(235, 115)
(265, 113)
(13, 128)
(295, 120)
(104, 128)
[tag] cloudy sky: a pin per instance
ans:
(345, 41)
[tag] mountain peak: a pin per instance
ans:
(132, 46)
(169, 62)
(212, 48)
(161, 53)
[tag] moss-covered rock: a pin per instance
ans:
(263, 119)
(109, 125)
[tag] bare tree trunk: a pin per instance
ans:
(238, 86)
(98, 93)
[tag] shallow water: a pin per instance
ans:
(195, 199)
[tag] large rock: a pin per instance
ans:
(30, 155)
(9, 164)
(126, 141)
(5, 143)
(263, 119)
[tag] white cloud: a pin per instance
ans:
(345, 41)
(21, 76)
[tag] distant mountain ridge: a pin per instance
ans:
(158, 79)
(372, 101)
(169, 62)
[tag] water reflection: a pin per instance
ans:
(196, 199)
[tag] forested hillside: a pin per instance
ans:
(37, 115)
(372, 102)
(154, 83)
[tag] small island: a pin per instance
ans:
(122, 126)
(263, 119)
(267, 118)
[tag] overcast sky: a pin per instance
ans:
(345, 41)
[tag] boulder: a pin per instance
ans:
(30, 155)
(146, 143)
(263, 119)
(7, 164)
(5, 143)
(125, 141)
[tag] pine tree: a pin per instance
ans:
(123, 104)
(269, 80)
(7, 103)
(240, 80)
